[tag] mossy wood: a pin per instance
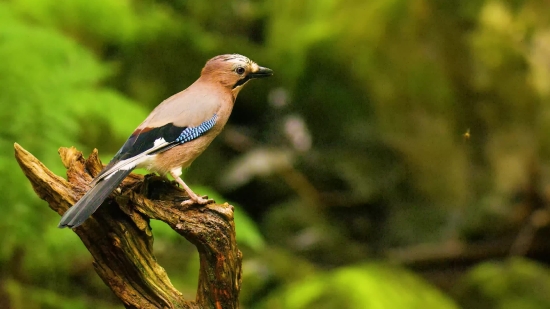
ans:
(121, 242)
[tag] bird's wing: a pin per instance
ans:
(175, 121)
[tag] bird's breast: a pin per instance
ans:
(183, 155)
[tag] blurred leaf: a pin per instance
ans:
(121, 21)
(49, 84)
(374, 285)
(29, 297)
(515, 283)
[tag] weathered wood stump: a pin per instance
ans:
(121, 242)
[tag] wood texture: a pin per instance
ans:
(121, 242)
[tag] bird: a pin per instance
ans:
(174, 134)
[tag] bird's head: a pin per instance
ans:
(233, 71)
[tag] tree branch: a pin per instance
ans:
(121, 242)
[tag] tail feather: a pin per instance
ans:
(89, 203)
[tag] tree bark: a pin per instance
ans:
(120, 240)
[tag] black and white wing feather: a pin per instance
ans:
(140, 146)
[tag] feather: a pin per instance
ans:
(142, 146)
(146, 143)
(88, 204)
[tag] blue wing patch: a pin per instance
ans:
(144, 139)
(190, 134)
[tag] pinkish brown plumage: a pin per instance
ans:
(175, 133)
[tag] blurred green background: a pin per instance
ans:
(398, 158)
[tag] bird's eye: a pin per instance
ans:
(240, 70)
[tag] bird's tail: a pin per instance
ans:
(88, 204)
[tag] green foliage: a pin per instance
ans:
(49, 87)
(113, 21)
(374, 285)
(45, 94)
(515, 283)
(30, 297)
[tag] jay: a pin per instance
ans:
(175, 133)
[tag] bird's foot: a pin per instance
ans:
(200, 200)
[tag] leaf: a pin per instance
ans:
(371, 285)
(515, 283)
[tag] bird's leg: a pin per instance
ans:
(172, 182)
(193, 197)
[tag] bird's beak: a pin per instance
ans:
(261, 72)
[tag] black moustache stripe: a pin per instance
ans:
(241, 81)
